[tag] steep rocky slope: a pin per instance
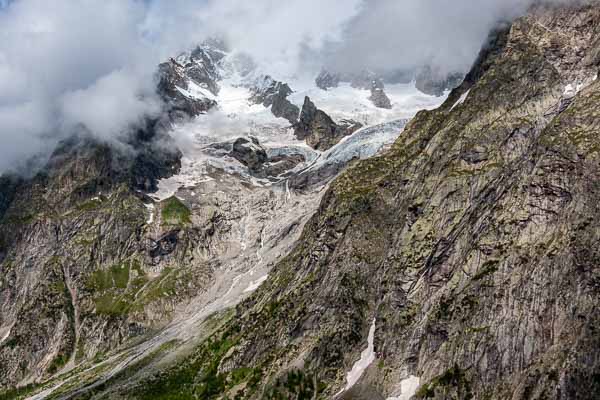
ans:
(462, 264)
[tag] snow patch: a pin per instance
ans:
(150, 208)
(408, 388)
(461, 100)
(366, 358)
(346, 102)
(199, 92)
(255, 284)
(5, 333)
(572, 89)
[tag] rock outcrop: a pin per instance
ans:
(260, 164)
(318, 129)
(273, 94)
(249, 152)
(173, 87)
(327, 80)
(66, 235)
(378, 96)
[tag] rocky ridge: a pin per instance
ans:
(273, 94)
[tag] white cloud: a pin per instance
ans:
(411, 33)
(69, 62)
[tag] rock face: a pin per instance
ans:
(327, 80)
(470, 249)
(250, 153)
(64, 286)
(318, 129)
(272, 93)
(378, 96)
(253, 155)
(435, 83)
(202, 66)
(173, 85)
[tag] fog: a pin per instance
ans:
(406, 34)
(71, 63)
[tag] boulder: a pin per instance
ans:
(249, 152)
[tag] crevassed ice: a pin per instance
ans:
(364, 143)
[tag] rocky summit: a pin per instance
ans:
(451, 253)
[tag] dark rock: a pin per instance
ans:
(378, 96)
(171, 76)
(164, 246)
(272, 93)
(156, 157)
(280, 164)
(327, 80)
(202, 68)
(8, 187)
(249, 152)
(318, 129)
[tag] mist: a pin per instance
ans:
(65, 64)
(408, 34)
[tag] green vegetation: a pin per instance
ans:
(163, 286)
(174, 212)
(24, 219)
(125, 287)
(297, 385)
(16, 393)
(117, 276)
(115, 288)
(109, 304)
(197, 377)
(57, 363)
(90, 205)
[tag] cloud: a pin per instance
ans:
(68, 63)
(446, 35)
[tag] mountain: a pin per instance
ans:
(459, 262)
(117, 250)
